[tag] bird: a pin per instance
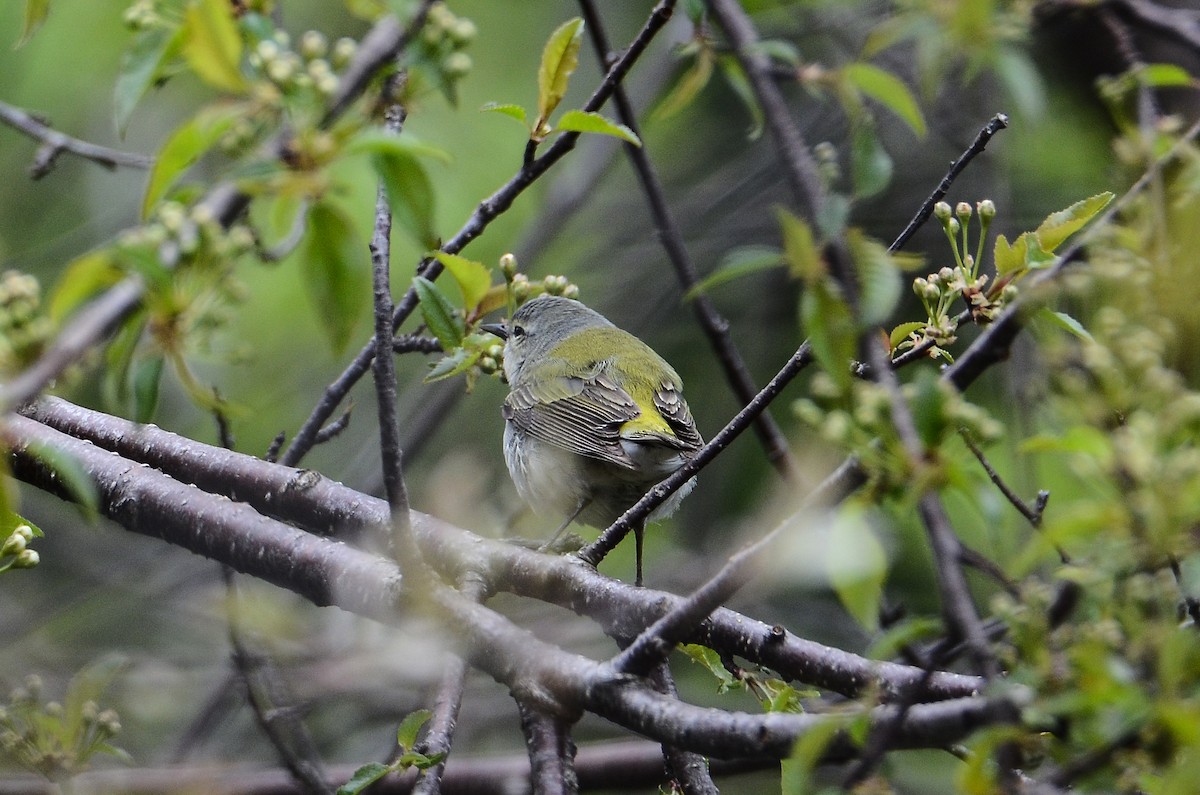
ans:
(594, 418)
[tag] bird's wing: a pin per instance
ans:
(675, 411)
(582, 411)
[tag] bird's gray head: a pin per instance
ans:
(538, 326)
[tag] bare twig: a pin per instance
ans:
(55, 143)
(404, 549)
(994, 125)
(1032, 513)
(714, 326)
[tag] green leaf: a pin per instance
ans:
(1009, 258)
(76, 481)
(780, 50)
(410, 727)
(796, 772)
(460, 360)
(36, 12)
(508, 109)
(736, 78)
(878, 279)
(473, 278)
(83, 278)
(440, 315)
(857, 565)
(1162, 75)
(559, 59)
(184, 147)
(584, 121)
(1060, 225)
(738, 262)
(364, 777)
(410, 194)
(708, 658)
(1066, 322)
(689, 86)
(335, 271)
(913, 630)
(870, 164)
(900, 333)
(830, 328)
(889, 91)
(141, 66)
(929, 409)
(800, 247)
(146, 379)
(381, 142)
(212, 45)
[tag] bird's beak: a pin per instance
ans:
(498, 329)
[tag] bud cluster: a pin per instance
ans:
(443, 40)
(15, 552)
(939, 291)
(47, 739)
(180, 234)
(313, 65)
(24, 327)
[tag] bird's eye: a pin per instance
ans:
(518, 332)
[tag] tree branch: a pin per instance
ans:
(55, 143)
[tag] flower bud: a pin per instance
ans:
(13, 545)
(941, 211)
(27, 559)
(987, 209)
(963, 211)
(953, 226)
(313, 44)
(457, 64)
(343, 50)
(508, 266)
(462, 32)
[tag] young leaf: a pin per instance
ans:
(212, 45)
(712, 661)
(1060, 225)
(1161, 75)
(75, 480)
(830, 328)
(796, 772)
(36, 12)
(800, 247)
(473, 278)
(870, 164)
(738, 262)
(377, 141)
(1066, 322)
(736, 78)
(335, 271)
(459, 361)
(929, 409)
(889, 91)
(589, 122)
(185, 146)
(84, 277)
(900, 333)
(146, 379)
(406, 734)
(440, 315)
(508, 109)
(364, 777)
(409, 192)
(559, 59)
(1009, 258)
(857, 566)
(878, 279)
(688, 87)
(141, 65)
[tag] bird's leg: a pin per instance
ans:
(562, 527)
(639, 531)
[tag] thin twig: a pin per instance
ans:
(1032, 513)
(55, 143)
(486, 212)
(994, 125)
(714, 326)
(594, 552)
(404, 549)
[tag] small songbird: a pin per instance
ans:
(594, 418)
